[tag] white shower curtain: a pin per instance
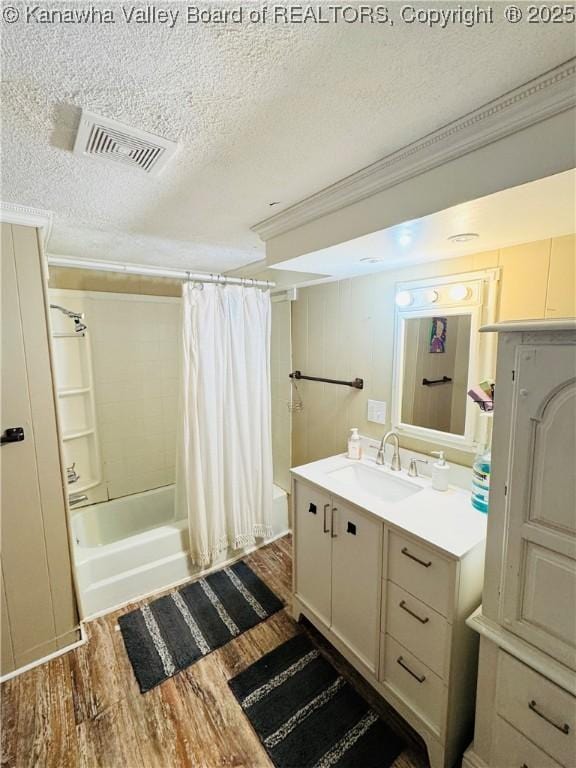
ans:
(224, 472)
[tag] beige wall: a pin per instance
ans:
(345, 329)
(135, 347)
(39, 610)
(112, 282)
(280, 366)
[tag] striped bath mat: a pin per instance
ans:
(306, 714)
(172, 632)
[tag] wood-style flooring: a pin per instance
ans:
(85, 709)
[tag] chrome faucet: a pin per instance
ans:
(71, 475)
(395, 463)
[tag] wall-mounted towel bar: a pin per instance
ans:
(356, 384)
(431, 382)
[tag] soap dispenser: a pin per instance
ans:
(354, 444)
(440, 472)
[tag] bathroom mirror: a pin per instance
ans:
(439, 355)
(436, 362)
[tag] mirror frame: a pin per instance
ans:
(480, 305)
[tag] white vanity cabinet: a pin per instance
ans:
(391, 599)
(338, 551)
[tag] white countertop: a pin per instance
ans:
(445, 519)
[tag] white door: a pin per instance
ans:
(540, 576)
(38, 603)
(313, 550)
(356, 581)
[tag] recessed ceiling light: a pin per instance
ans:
(372, 259)
(463, 237)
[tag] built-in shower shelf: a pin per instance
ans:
(73, 391)
(81, 487)
(76, 435)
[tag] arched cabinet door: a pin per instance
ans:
(539, 590)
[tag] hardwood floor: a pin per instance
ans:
(84, 709)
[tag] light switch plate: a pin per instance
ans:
(377, 411)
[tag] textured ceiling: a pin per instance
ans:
(262, 113)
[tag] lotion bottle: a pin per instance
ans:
(440, 472)
(354, 444)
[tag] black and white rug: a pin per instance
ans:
(306, 714)
(172, 632)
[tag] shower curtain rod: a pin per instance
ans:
(175, 274)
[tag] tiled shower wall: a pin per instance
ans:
(135, 349)
(281, 365)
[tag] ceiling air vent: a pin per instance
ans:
(109, 140)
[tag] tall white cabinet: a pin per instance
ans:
(526, 705)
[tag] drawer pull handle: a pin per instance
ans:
(332, 534)
(534, 707)
(324, 526)
(403, 664)
(417, 559)
(415, 615)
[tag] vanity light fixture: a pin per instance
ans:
(459, 292)
(431, 296)
(404, 299)
(463, 237)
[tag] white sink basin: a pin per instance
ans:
(376, 483)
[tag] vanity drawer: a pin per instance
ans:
(414, 682)
(510, 747)
(422, 572)
(419, 628)
(538, 708)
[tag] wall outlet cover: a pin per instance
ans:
(377, 411)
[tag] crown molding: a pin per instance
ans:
(12, 213)
(545, 96)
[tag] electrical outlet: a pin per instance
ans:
(376, 411)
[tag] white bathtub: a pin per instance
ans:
(130, 547)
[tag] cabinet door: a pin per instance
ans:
(540, 576)
(313, 550)
(356, 581)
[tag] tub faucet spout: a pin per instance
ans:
(77, 498)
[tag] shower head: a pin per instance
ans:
(79, 327)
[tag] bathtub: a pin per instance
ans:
(133, 546)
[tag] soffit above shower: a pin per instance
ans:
(112, 141)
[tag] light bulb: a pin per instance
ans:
(459, 292)
(404, 299)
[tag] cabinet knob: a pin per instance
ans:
(12, 435)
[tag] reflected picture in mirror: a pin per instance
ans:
(438, 335)
(435, 375)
